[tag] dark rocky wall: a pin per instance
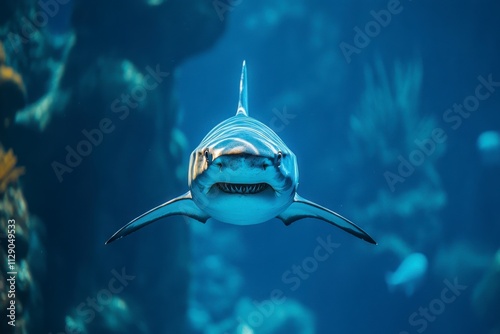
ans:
(112, 50)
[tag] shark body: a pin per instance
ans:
(242, 173)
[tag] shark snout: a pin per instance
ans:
(231, 170)
(241, 162)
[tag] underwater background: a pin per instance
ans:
(392, 108)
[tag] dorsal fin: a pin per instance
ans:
(243, 101)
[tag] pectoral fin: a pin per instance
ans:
(302, 208)
(182, 205)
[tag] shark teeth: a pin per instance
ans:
(236, 188)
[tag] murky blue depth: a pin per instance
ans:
(391, 107)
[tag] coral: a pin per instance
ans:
(288, 316)
(388, 119)
(384, 130)
(118, 316)
(9, 76)
(39, 113)
(12, 90)
(8, 171)
(486, 295)
(10, 79)
(14, 210)
(72, 82)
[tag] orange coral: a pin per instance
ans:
(8, 170)
(12, 90)
(8, 75)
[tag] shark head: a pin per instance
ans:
(242, 172)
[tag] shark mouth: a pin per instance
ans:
(241, 188)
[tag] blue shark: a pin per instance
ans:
(242, 173)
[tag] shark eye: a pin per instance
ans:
(278, 158)
(207, 155)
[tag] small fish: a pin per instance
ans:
(242, 173)
(488, 144)
(409, 274)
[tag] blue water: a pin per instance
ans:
(391, 107)
(295, 62)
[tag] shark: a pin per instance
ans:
(242, 173)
